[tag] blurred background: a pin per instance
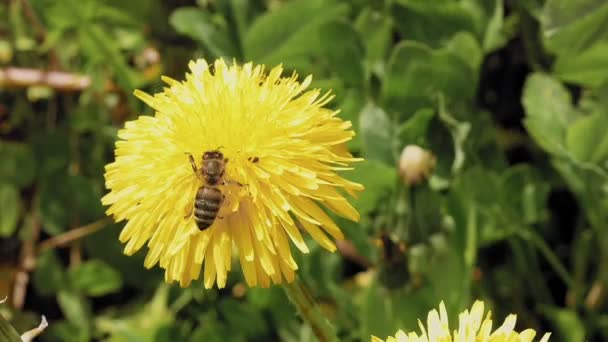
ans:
(507, 202)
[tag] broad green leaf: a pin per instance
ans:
(375, 29)
(75, 308)
(589, 67)
(495, 36)
(18, 165)
(433, 22)
(10, 209)
(378, 179)
(65, 199)
(473, 204)
(84, 198)
(376, 132)
(414, 130)
(244, 317)
(7, 332)
(86, 19)
(525, 193)
(95, 278)
(426, 214)
(350, 107)
(467, 48)
(549, 111)
(51, 150)
(105, 245)
(205, 29)
(49, 277)
(377, 313)
(416, 75)
(439, 139)
(291, 32)
(55, 213)
(239, 14)
(344, 52)
(570, 27)
(566, 322)
(142, 323)
(66, 331)
(587, 140)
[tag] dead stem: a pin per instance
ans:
(14, 77)
(73, 234)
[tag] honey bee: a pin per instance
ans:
(209, 196)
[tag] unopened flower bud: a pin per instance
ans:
(415, 164)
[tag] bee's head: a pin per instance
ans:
(215, 154)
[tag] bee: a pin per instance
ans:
(209, 197)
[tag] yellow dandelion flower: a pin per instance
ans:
(282, 151)
(472, 327)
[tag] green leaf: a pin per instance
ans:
(54, 205)
(467, 48)
(432, 22)
(142, 323)
(344, 51)
(65, 199)
(75, 308)
(95, 278)
(350, 108)
(105, 245)
(416, 75)
(18, 165)
(495, 37)
(201, 26)
(244, 317)
(51, 150)
(67, 331)
(589, 67)
(566, 322)
(7, 332)
(10, 209)
(569, 27)
(291, 31)
(525, 193)
(549, 111)
(375, 29)
(378, 180)
(377, 313)
(49, 277)
(415, 128)
(376, 132)
(587, 140)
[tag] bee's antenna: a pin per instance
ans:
(218, 148)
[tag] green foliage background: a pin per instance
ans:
(511, 96)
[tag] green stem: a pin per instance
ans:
(546, 251)
(309, 310)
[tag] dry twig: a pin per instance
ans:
(13, 77)
(73, 234)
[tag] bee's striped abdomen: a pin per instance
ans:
(206, 206)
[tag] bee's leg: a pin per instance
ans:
(192, 162)
(229, 181)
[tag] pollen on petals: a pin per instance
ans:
(283, 151)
